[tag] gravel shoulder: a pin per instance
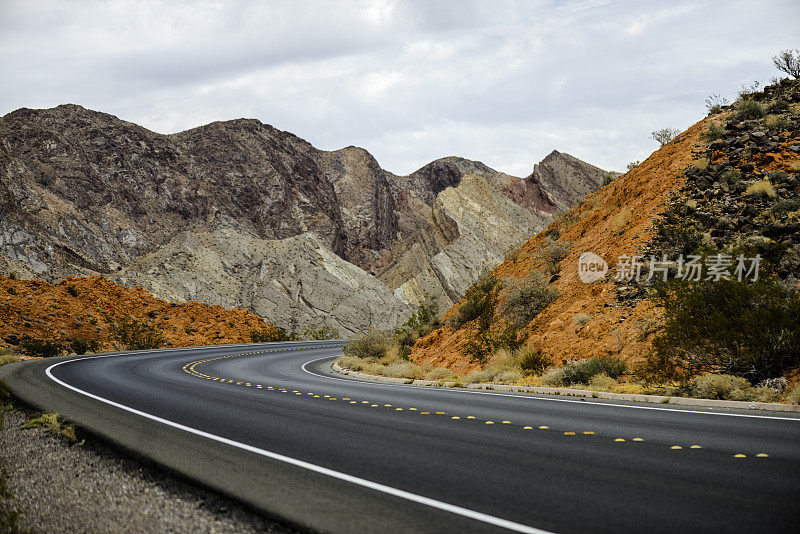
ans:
(89, 486)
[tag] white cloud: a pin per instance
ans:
(501, 82)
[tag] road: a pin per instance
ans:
(271, 425)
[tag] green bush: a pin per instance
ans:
(714, 132)
(269, 335)
(478, 304)
(731, 177)
(372, 345)
(744, 329)
(582, 372)
(421, 323)
(675, 240)
(321, 333)
(748, 109)
(552, 253)
(524, 302)
(45, 348)
(137, 335)
(533, 363)
(82, 346)
(479, 346)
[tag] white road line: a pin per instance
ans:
(464, 512)
(548, 399)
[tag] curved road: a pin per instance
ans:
(271, 425)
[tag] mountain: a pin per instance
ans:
(731, 182)
(83, 192)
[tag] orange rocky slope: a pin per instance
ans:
(616, 220)
(85, 308)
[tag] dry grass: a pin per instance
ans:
(762, 188)
(9, 356)
(794, 166)
(621, 219)
(701, 164)
(581, 319)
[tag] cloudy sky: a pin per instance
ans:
(501, 82)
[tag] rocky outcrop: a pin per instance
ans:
(82, 192)
(296, 279)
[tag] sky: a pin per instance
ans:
(502, 82)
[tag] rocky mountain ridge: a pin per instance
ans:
(82, 192)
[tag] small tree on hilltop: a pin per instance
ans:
(788, 61)
(665, 135)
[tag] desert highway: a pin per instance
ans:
(273, 426)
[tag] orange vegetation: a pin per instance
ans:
(616, 220)
(84, 308)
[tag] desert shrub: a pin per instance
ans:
(525, 301)
(479, 346)
(508, 376)
(788, 61)
(483, 375)
(72, 290)
(269, 335)
(761, 188)
(82, 346)
(38, 347)
(701, 164)
(748, 109)
(53, 423)
(715, 103)
(581, 319)
(372, 345)
(621, 218)
(351, 362)
(678, 239)
(731, 176)
(633, 164)
(777, 121)
(8, 356)
(793, 396)
(720, 386)
(403, 369)
(664, 135)
(581, 372)
(440, 374)
(552, 253)
(766, 395)
(479, 303)
(533, 362)
(609, 177)
(748, 329)
(603, 382)
(784, 206)
(321, 333)
(714, 132)
(137, 335)
(421, 323)
(777, 384)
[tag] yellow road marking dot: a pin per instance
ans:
(589, 433)
(439, 413)
(425, 413)
(762, 455)
(413, 409)
(309, 394)
(527, 428)
(695, 447)
(388, 405)
(489, 422)
(316, 396)
(543, 427)
(638, 439)
(270, 387)
(506, 422)
(619, 439)
(455, 417)
(298, 393)
(332, 398)
(740, 456)
(569, 433)
(676, 447)
(353, 402)
(364, 402)
(295, 391)
(470, 417)
(345, 398)
(326, 396)
(374, 406)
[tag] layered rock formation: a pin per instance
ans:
(83, 192)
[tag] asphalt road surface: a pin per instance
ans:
(271, 425)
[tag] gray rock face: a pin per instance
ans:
(83, 192)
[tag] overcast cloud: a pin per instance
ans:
(500, 82)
